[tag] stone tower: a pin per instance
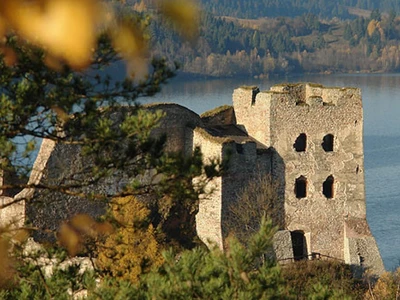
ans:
(318, 134)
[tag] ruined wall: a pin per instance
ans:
(360, 248)
(314, 112)
(63, 164)
(247, 159)
(252, 111)
(208, 218)
(222, 115)
(246, 163)
(261, 135)
(47, 208)
(302, 110)
(12, 215)
(178, 123)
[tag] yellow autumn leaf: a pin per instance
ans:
(6, 264)
(85, 224)
(65, 28)
(130, 43)
(128, 40)
(68, 29)
(104, 228)
(184, 15)
(69, 239)
(61, 114)
(82, 221)
(21, 235)
(53, 63)
(3, 27)
(138, 68)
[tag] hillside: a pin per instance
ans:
(264, 38)
(292, 8)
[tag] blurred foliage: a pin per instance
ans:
(73, 234)
(68, 29)
(32, 282)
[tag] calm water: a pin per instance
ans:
(381, 98)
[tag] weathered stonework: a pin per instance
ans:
(277, 118)
(308, 137)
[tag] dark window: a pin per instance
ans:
(301, 102)
(301, 143)
(301, 187)
(299, 245)
(362, 259)
(239, 148)
(327, 143)
(327, 187)
(253, 98)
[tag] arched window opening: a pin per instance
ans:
(301, 143)
(299, 244)
(327, 143)
(301, 187)
(327, 187)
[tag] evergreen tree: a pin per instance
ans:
(348, 34)
(376, 15)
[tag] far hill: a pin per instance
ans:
(325, 9)
(263, 38)
(254, 9)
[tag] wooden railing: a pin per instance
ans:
(312, 256)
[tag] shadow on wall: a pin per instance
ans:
(278, 171)
(258, 192)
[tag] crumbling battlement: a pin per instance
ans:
(245, 156)
(308, 137)
(308, 104)
(316, 95)
(318, 134)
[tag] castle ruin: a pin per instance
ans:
(309, 138)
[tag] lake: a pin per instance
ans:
(381, 101)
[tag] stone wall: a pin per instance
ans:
(246, 163)
(303, 133)
(252, 111)
(310, 113)
(321, 216)
(223, 115)
(62, 164)
(208, 218)
(178, 124)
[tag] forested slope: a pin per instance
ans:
(270, 37)
(293, 8)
